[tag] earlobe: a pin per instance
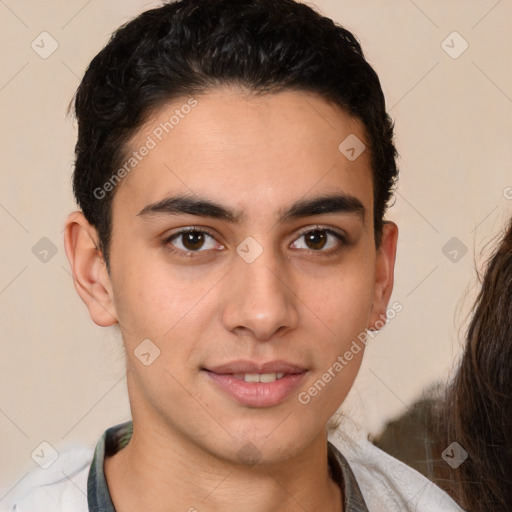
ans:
(384, 275)
(90, 275)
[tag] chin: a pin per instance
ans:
(271, 443)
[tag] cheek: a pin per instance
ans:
(155, 296)
(342, 301)
(343, 305)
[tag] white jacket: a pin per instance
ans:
(387, 484)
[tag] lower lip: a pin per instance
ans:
(257, 394)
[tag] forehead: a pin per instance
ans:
(246, 151)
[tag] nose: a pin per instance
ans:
(260, 300)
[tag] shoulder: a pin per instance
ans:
(388, 484)
(62, 487)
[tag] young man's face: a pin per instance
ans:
(264, 289)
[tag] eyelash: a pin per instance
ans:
(192, 254)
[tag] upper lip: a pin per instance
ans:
(245, 366)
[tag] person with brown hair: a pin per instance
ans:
(460, 435)
(477, 410)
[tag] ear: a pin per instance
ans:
(89, 270)
(384, 275)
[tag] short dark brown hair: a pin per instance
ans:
(188, 47)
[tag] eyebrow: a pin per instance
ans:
(194, 205)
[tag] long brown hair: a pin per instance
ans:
(478, 404)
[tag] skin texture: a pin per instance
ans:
(257, 156)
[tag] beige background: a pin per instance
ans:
(61, 376)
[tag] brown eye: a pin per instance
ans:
(316, 239)
(321, 240)
(193, 240)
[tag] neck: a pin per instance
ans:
(160, 471)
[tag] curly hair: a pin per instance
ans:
(190, 46)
